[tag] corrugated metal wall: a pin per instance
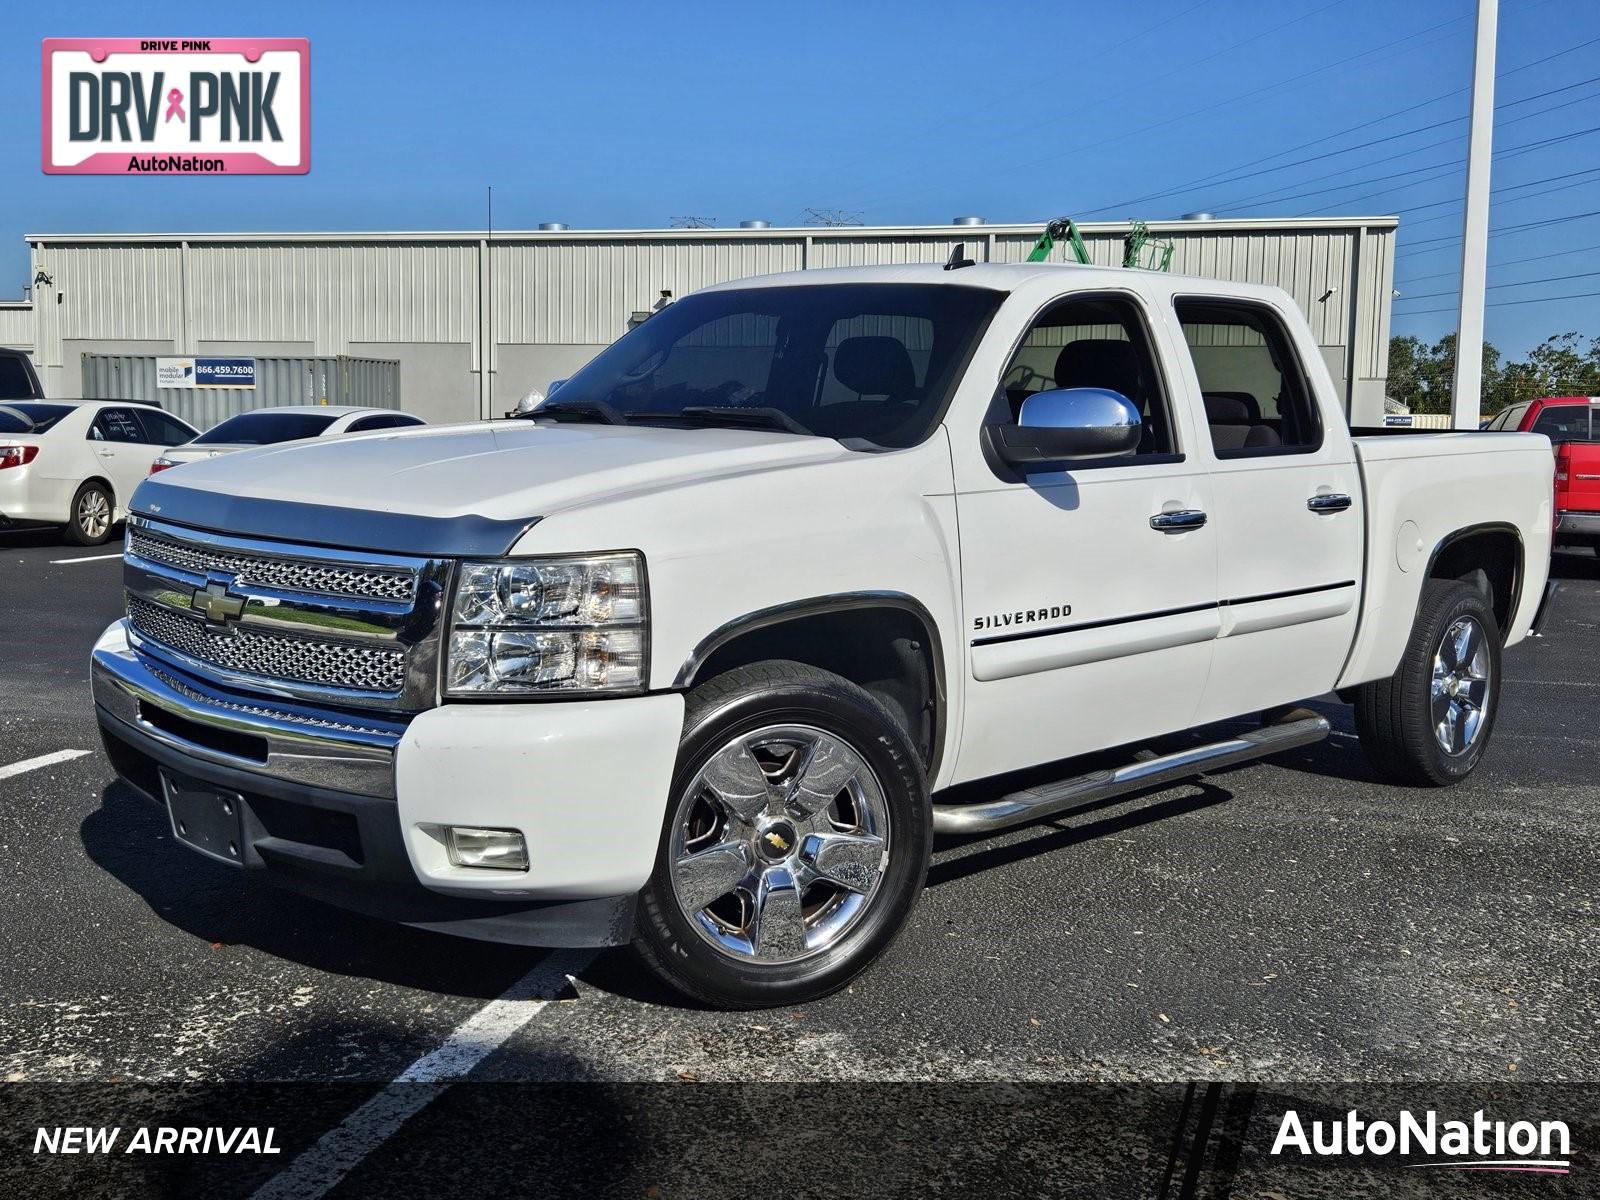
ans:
(546, 300)
(370, 383)
(16, 326)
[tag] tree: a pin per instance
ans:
(1563, 367)
(1564, 364)
(1406, 357)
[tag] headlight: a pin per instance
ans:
(538, 625)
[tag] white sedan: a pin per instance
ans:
(76, 463)
(287, 423)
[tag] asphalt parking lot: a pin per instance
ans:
(1290, 920)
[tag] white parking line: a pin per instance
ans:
(44, 760)
(338, 1151)
(56, 562)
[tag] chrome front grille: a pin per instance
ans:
(317, 578)
(280, 716)
(307, 623)
(295, 660)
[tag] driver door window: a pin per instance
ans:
(1097, 342)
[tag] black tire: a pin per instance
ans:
(1395, 716)
(744, 701)
(80, 526)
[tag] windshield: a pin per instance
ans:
(872, 363)
(264, 427)
(31, 418)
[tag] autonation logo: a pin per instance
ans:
(1476, 1145)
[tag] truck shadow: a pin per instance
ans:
(1575, 565)
(129, 838)
(948, 868)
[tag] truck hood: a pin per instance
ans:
(503, 472)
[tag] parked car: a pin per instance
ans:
(288, 423)
(75, 463)
(1578, 475)
(691, 657)
(1572, 423)
(18, 379)
(1557, 417)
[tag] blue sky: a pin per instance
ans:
(621, 115)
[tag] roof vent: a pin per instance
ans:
(1200, 216)
(552, 226)
(755, 224)
(967, 221)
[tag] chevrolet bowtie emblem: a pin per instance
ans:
(777, 842)
(214, 603)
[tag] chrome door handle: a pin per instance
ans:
(1329, 502)
(107, 453)
(1181, 521)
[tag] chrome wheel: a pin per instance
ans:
(1462, 684)
(94, 514)
(779, 844)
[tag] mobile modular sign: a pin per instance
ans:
(205, 372)
(167, 106)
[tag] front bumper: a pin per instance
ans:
(1578, 522)
(348, 807)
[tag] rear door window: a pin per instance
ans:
(1256, 396)
(117, 425)
(165, 430)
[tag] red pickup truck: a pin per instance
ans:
(1572, 423)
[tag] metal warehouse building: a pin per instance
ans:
(475, 320)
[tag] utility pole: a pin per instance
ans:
(1467, 396)
(488, 349)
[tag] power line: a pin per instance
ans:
(1507, 303)
(1510, 262)
(1501, 231)
(1565, 187)
(1507, 152)
(1216, 177)
(1442, 168)
(1495, 286)
(1258, 203)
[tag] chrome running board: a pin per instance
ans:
(1046, 800)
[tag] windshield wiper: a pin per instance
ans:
(576, 410)
(753, 417)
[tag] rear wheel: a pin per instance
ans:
(1428, 724)
(795, 845)
(90, 521)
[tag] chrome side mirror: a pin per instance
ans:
(1069, 423)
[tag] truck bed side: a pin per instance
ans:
(1421, 492)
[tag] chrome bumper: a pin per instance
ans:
(1578, 522)
(279, 740)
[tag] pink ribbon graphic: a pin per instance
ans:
(174, 106)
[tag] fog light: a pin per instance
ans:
(498, 849)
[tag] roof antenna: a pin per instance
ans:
(958, 258)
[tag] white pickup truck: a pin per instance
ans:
(691, 657)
